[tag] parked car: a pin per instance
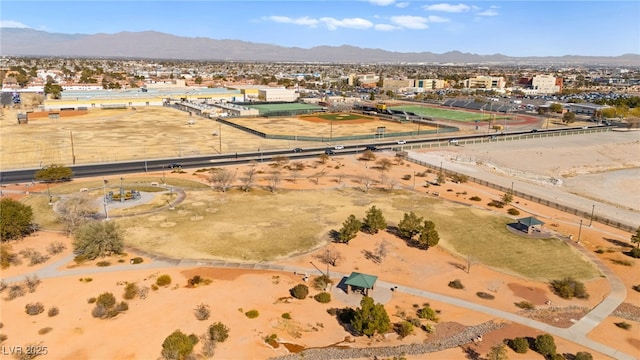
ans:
(297, 150)
(329, 152)
(173, 166)
(453, 141)
(401, 142)
(371, 147)
(338, 147)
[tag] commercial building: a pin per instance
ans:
(485, 82)
(277, 94)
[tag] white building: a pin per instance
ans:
(546, 84)
(278, 94)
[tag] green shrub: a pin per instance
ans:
(3, 338)
(91, 300)
(122, 306)
(404, 328)
(79, 259)
(496, 203)
(163, 280)
(484, 295)
(130, 291)
(219, 332)
(623, 325)
(154, 287)
(475, 198)
(177, 346)
(103, 263)
(622, 262)
(513, 211)
(300, 291)
(137, 260)
(271, 339)
(323, 297)
(519, 345)
(545, 345)
(252, 314)
(53, 311)
(406, 177)
(194, 339)
(456, 284)
(568, 288)
(636, 287)
(634, 253)
(427, 313)
(34, 308)
(286, 316)
(583, 355)
(107, 300)
(321, 282)
(525, 305)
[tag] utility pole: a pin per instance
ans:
(579, 231)
(593, 209)
(220, 136)
(73, 154)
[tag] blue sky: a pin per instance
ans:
(514, 28)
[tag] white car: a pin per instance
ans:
(401, 142)
(338, 147)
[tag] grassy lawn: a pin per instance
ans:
(137, 183)
(43, 213)
(465, 116)
(260, 226)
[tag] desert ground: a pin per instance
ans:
(238, 285)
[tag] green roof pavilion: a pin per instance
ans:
(363, 282)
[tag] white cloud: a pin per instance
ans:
(410, 22)
(385, 27)
(489, 12)
(351, 23)
(451, 8)
(306, 21)
(382, 2)
(12, 24)
(436, 19)
(402, 5)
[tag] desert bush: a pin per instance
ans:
(154, 287)
(15, 290)
(459, 178)
(300, 291)
(91, 300)
(218, 332)
(622, 262)
(7, 258)
(428, 328)
(599, 251)
(475, 198)
(252, 314)
(583, 355)
(45, 330)
(456, 284)
(3, 285)
(79, 259)
(34, 256)
(496, 203)
(122, 306)
(3, 338)
(286, 316)
(525, 305)
(545, 345)
(270, 339)
(321, 282)
(137, 260)
(636, 287)
(323, 297)
(519, 345)
(427, 313)
(32, 282)
(513, 211)
(143, 292)
(568, 288)
(53, 311)
(484, 295)
(404, 328)
(88, 279)
(163, 280)
(99, 311)
(634, 253)
(177, 346)
(130, 291)
(103, 263)
(106, 299)
(623, 325)
(56, 247)
(202, 312)
(406, 177)
(34, 308)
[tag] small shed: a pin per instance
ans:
(529, 224)
(23, 118)
(360, 282)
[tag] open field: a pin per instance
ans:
(267, 108)
(338, 117)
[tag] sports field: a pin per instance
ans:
(339, 117)
(456, 115)
(267, 108)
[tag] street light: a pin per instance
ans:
(593, 208)
(579, 231)
(121, 190)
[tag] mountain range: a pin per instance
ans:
(157, 45)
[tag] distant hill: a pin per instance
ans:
(156, 45)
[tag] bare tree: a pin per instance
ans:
(471, 261)
(340, 177)
(366, 181)
(316, 177)
(329, 256)
(382, 249)
(389, 181)
(249, 178)
(274, 179)
(75, 210)
(323, 158)
(279, 160)
(384, 164)
(222, 178)
(368, 155)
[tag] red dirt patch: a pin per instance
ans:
(536, 296)
(316, 119)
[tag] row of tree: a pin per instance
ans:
(416, 230)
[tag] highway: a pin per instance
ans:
(208, 161)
